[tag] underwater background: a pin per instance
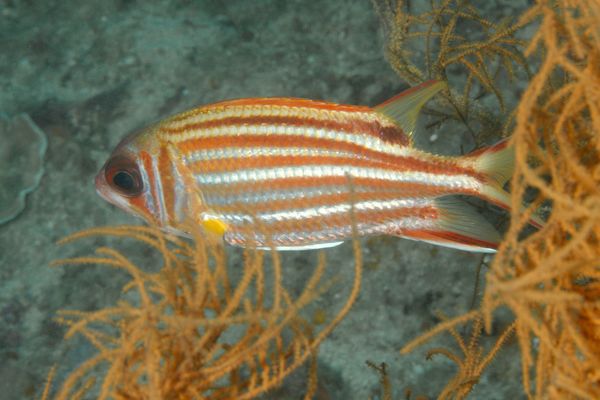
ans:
(88, 73)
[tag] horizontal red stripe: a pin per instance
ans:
(450, 237)
(294, 102)
(240, 164)
(268, 101)
(403, 189)
(347, 125)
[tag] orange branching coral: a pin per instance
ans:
(473, 361)
(489, 54)
(192, 331)
(386, 385)
(551, 279)
(384, 379)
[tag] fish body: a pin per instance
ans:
(297, 174)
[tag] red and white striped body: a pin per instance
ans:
(286, 172)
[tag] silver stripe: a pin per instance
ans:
(223, 199)
(321, 211)
(181, 195)
(159, 190)
(148, 197)
(324, 211)
(306, 131)
(252, 197)
(333, 233)
(245, 152)
(321, 171)
(213, 114)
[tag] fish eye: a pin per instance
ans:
(123, 175)
(124, 180)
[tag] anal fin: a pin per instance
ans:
(460, 227)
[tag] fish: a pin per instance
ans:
(299, 174)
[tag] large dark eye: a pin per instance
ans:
(123, 175)
(124, 180)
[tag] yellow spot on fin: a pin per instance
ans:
(214, 225)
(404, 108)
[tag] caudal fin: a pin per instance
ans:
(497, 163)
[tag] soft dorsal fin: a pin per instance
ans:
(404, 108)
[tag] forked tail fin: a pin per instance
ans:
(497, 163)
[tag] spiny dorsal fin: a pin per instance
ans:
(404, 108)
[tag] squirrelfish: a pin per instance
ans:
(300, 174)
